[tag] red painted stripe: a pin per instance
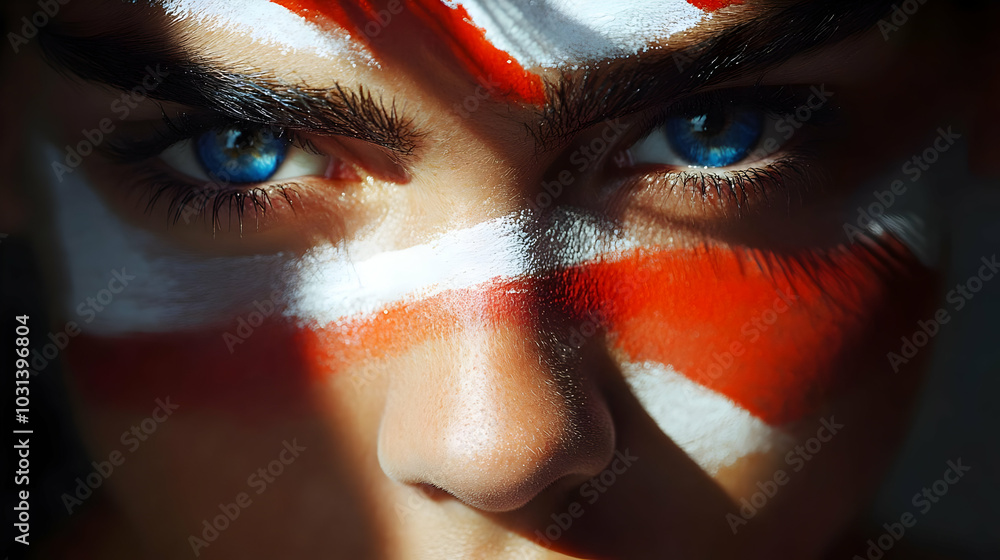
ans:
(264, 377)
(682, 308)
(484, 62)
(713, 5)
(689, 309)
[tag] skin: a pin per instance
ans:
(465, 442)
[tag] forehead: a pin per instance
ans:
(534, 32)
(507, 42)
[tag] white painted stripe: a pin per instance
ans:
(329, 285)
(267, 23)
(712, 429)
(173, 289)
(177, 289)
(554, 33)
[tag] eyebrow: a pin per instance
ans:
(575, 102)
(123, 60)
(617, 89)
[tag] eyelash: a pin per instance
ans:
(738, 185)
(743, 184)
(182, 195)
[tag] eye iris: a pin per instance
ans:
(245, 157)
(715, 138)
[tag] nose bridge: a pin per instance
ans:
(505, 391)
(488, 411)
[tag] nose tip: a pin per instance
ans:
(492, 425)
(501, 462)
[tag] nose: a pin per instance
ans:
(488, 414)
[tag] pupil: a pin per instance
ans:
(716, 136)
(242, 156)
(710, 124)
(240, 141)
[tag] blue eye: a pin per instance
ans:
(715, 138)
(716, 133)
(243, 156)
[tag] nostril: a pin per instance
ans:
(432, 492)
(485, 420)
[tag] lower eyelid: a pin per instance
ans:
(713, 199)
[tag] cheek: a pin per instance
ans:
(255, 371)
(776, 337)
(263, 364)
(779, 336)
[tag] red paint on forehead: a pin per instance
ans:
(484, 62)
(712, 5)
(808, 327)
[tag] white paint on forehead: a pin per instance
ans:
(267, 23)
(712, 429)
(558, 33)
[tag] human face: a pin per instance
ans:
(484, 280)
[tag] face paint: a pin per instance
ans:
(712, 429)
(264, 22)
(713, 5)
(765, 331)
(481, 59)
(498, 41)
(564, 33)
(670, 316)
